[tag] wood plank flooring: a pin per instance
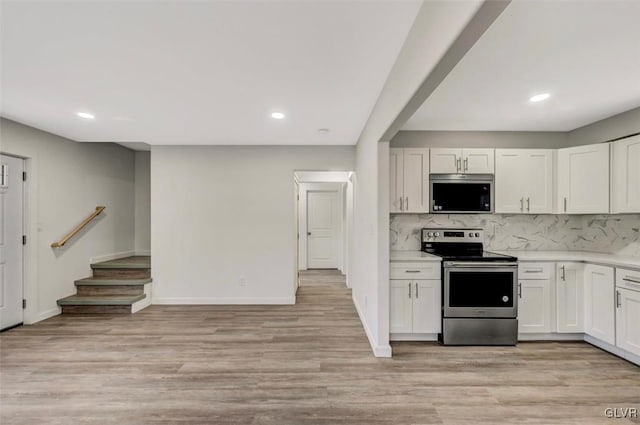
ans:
(309, 363)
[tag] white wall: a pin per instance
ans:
(480, 139)
(143, 202)
(225, 213)
(67, 180)
(303, 190)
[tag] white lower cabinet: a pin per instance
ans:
(570, 298)
(628, 320)
(534, 306)
(415, 306)
(599, 303)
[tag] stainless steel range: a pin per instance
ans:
(479, 288)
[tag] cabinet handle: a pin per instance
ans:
(416, 289)
(458, 164)
(563, 275)
(520, 290)
(618, 303)
(406, 203)
(533, 270)
(409, 289)
(565, 204)
(521, 204)
(628, 279)
(466, 164)
(401, 200)
(528, 204)
(412, 271)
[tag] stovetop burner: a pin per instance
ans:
(460, 245)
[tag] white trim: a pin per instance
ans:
(413, 337)
(551, 337)
(145, 302)
(108, 257)
(146, 252)
(46, 315)
(224, 300)
(613, 349)
(378, 350)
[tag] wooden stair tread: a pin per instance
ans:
(135, 262)
(96, 281)
(100, 300)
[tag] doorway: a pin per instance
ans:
(324, 222)
(11, 241)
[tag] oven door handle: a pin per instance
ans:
(451, 264)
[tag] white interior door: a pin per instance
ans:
(11, 230)
(323, 229)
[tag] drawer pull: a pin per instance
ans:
(412, 271)
(533, 270)
(628, 279)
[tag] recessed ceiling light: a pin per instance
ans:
(86, 115)
(277, 115)
(323, 130)
(539, 97)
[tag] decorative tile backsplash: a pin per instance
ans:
(619, 234)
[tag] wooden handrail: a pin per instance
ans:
(72, 233)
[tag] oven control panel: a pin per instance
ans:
(438, 234)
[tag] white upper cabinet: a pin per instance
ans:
(409, 180)
(583, 179)
(626, 175)
(462, 161)
(524, 181)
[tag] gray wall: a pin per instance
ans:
(143, 202)
(67, 181)
(615, 127)
(479, 139)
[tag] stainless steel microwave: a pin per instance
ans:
(461, 193)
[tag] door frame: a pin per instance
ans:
(30, 314)
(24, 232)
(303, 248)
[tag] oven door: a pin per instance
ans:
(480, 290)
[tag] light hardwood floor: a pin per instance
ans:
(304, 364)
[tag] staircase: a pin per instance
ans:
(121, 286)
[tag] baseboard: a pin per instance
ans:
(613, 349)
(108, 257)
(45, 315)
(378, 350)
(413, 337)
(224, 301)
(143, 303)
(145, 252)
(550, 337)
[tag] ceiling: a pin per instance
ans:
(586, 54)
(207, 72)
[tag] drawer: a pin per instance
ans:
(415, 270)
(629, 279)
(535, 270)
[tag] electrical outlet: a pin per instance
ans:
(243, 281)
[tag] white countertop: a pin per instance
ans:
(551, 256)
(578, 256)
(412, 256)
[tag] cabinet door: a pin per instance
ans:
(478, 161)
(416, 180)
(583, 179)
(628, 320)
(599, 303)
(537, 182)
(570, 298)
(626, 175)
(396, 191)
(400, 309)
(446, 161)
(426, 306)
(534, 306)
(509, 190)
